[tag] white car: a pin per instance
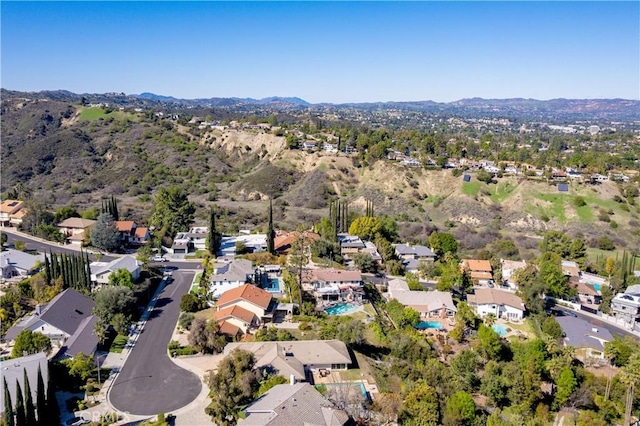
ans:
(76, 421)
(159, 259)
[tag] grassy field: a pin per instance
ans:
(471, 188)
(95, 113)
(556, 207)
(501, 191)
(585, 213)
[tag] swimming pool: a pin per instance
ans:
(272, 285)
(341, 308)
(500, 329)
(423, 325)
(596, 287)
(363, 390)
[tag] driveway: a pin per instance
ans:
(149, 381)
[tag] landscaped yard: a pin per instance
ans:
(471, 188)
(119, 343)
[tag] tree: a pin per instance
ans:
(299, 256)
(273, 334)
(214, 238)
(365, 227)
(489, 342)
(550, 272)
(41, 399)
(8, 406)
(112, 300)
(551, 327)
(460, 409)
(530, 288)
(421, 406)
(556, 242)
(121, 277)
(21, 416)
(190, 303)
(204, 336)
(29, 408)
(443, 243)
(363, 262)
(31, 343)
(465, 365)
(566, 384)
(232, 386)
(493, 384)
(104, 233)
(144, 254)
(172, 211)
(630, 376)
(271, 233)
(80, 365)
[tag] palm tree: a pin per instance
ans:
(490, 319)
(630, 376)
(610, 352)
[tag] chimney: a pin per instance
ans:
(292, 379)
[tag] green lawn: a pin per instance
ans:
(119, 343)
(90, 114)
(195, 285)
(556, 209)
(502, 191)
(471, 188)
(585, 213)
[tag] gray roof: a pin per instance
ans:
(66, 312)
(83, 340)
(19, 259)
(290, 357)
(580, 334)
(236, 270)
(424, 301)
(417, 250)
(13, 369)
(292, 405)
(130, 263)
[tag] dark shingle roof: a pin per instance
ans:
(580, 334)
(84, 340)
(67, 310)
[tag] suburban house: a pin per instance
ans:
(428, 303)
(130, 233)
(18, 264)
(502, 304)
(411, 256)
(299, 358)
(13, 370)
(194, 239)
(570, 268)
(336, 284)
(509, 269)
(66, 320)
(283, 240)
(479, 270)
(75, 225)
(100, 271)
(251, 242)
(243, 308)
(588, 339)
(11, 212)
(229, 275)
(350, 244)
(626, 306)
(292, 404)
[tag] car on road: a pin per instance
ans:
(158, 258)
(76, 421)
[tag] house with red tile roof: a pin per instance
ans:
(243, 308)
(130, 233)
(479, 270)
(336, 284)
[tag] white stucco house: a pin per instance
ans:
(16, 264)
(502, 304)
(100, 271)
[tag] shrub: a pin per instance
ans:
(304, 326)
(613, 224)
(174, 344)
(545, 218)
(605, 243)
(185, 320)
(579, 202)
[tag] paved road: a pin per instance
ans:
(150, 382)
(44, 247)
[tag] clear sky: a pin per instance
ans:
(325, 51)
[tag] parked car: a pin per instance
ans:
(76, 421)
(570, 314)
(158, 258)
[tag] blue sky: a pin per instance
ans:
(325, 51)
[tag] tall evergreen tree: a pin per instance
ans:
(47, 270)
(41, 400)
(8, 407)
(21, 418)
(29, 408)
(271, 234)
(52, 410)
(114, 208)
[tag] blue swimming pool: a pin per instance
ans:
(272, 285)
(341, 308)
(596, 287)
(424, 325)
(500, 329)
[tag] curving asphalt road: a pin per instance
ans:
(149, 381)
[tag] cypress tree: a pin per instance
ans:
(47, 270)
(29, 409)
(41, 399)
(212, 233)
(8, 407)
(21, 418)
(270, 232)
(52, 411)
(114, 208)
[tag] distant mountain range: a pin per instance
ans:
(557, 110)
